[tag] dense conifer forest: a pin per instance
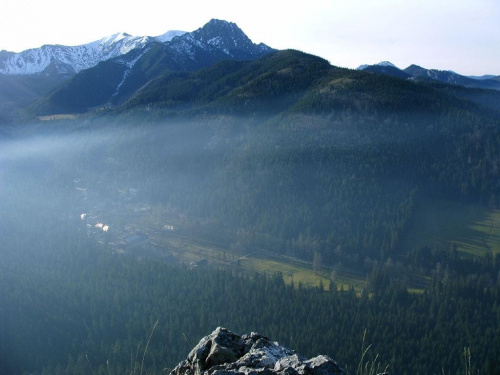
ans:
(81, 310)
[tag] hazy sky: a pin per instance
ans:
(460, 35)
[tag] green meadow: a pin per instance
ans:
(191, 249)
(474, 229)
(295, 272)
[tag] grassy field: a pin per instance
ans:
(298, 272)
(188, 249)
(473, 228)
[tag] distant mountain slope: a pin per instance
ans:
(17, 92)
(117, 79)
(450, 77)
(486, 76)
(291, 81)
(272, 83)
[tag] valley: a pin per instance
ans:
(141, 230)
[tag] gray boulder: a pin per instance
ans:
(224, 353)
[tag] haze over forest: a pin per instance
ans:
(207, 181)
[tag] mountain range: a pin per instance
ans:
(216, 65)
(418, 73)
(50, 59)
(115, 67)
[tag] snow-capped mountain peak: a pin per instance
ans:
(382, 63)
(385, 67)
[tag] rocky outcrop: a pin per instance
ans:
(224, 352)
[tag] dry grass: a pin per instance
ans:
(369, 367)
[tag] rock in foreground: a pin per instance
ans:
(224, 352)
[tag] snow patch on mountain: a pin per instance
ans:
(129, 64)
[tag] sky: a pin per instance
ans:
(458, 35)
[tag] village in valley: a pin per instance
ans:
(124, 225)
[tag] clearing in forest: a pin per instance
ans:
(474, 229)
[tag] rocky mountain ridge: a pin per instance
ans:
(58, 59)
(225, 352)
